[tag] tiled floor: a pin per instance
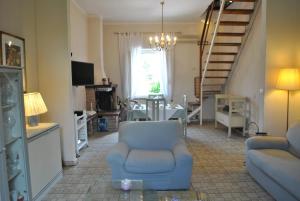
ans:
(218, 170)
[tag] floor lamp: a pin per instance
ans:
(289, 80)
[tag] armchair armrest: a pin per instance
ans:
(117, 154)
(182, 154)
(267, 142)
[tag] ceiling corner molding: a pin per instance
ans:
(79, 7)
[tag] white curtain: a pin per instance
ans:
(169, 82)
(128, 43)
(137, 87)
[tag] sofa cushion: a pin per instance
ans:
(280, 165)
(142, 161)
(293, 136)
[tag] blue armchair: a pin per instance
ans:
(153, 152)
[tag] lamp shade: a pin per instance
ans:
(34, 104)
(288, 79)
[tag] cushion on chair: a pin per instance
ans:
(151, 135)
(280, 165)
(142, 161)
(293, 136)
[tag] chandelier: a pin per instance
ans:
(164, 41)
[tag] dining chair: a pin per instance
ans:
(154, 101)
(133, 103)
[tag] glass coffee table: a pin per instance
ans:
(112, 191)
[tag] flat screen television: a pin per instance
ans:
(82, 73)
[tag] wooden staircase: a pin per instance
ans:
(222, 41)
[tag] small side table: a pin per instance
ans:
(90, 122)
(112, 118)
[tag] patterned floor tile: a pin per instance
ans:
(219, 172)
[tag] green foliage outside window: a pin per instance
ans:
(155, 87)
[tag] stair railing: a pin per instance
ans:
(202, 46)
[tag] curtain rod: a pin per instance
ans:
(117, 33)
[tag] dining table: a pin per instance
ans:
(172, 111)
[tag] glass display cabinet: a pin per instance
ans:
(14, 171)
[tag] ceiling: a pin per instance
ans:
(145, 10)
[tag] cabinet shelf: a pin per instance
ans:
(81, 137)
(81, 126)
(8, 106)
(12, 140)
(81, 144)
(14, 175)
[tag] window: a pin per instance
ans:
(148, 72)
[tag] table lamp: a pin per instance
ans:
(34, 105)
(289, 80)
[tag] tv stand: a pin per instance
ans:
(112, 118)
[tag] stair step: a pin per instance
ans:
(216, 77)
(208, 85)
(221, 62)
(224, 53)
(234, 23)
(228, 44)
(212, 91)
(241, 0)
(219, 70)
(238, 11)
(230, 34)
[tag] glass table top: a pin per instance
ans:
(112, 190)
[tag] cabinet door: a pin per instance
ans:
(13, 136)
(3, 182)
(3, 171)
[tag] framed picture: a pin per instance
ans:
(12, 52)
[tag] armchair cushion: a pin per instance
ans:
(143, 161)
(118, 154)
(280, 165)
(150, 135)
(262, 142)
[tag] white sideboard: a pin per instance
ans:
(230, 111)
(45, 162)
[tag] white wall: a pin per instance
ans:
(283, 49)
(95, 50)
(79, 47)
(53, 45)
(87, 46)
(18, 18)
(248, 78)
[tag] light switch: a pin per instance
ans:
(261, 90)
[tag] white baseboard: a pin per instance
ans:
(70, 163)
(47, 188)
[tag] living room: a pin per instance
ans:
(198, 82)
